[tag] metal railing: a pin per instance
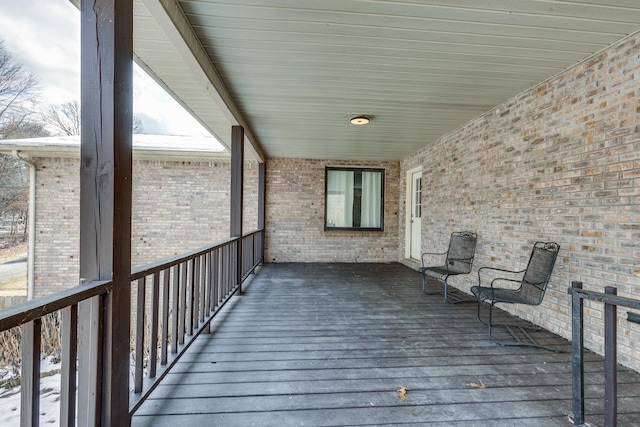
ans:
(611, 301)
(173, 302)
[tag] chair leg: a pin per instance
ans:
(529, 341)
(489, 322)
(490, 319)
(480, 318)
(424, 286)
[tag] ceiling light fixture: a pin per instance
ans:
(360, 120)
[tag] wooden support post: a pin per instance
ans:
(105, 208)
(262, 188)
(237, 173)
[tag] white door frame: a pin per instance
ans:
(409, 212)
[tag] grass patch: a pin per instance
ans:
(14, 285)
(16, 251)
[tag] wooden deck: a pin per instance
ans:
(330, 345)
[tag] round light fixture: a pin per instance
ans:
(360, 120)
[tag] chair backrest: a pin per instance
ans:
(462, 248)
(536, 277)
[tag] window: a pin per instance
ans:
(354, 199)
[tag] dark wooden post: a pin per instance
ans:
(105, 206)
(262, 184)
(237, 175)
(610, 361)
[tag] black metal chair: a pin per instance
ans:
(530, 290)
(458, 260)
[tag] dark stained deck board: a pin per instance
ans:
(329, 345)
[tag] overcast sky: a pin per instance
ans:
(44, 36)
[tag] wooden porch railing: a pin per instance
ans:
(252, 250)
(173, 302)
(611, 301)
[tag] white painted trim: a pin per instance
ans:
(407, 211)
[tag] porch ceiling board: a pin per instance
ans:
(298, 70)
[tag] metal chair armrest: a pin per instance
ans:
(430, 253)
(496, 269)
(503, 279)
(501, 269)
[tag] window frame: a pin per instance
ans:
(382, 173)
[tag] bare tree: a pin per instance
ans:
(18, 119)
(137, 125)
(14, 191)
(65, 118)
(18, 129)
(17, 99)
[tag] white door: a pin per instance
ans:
(416, 214)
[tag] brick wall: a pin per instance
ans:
(559, 162)
(177, 207)
(295, 216)
(57, 225)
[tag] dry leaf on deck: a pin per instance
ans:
(476, 385)
(402, 392)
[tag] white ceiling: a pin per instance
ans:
(293, 72)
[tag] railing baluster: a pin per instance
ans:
(577, 359)
(165, 316)
(182, 310)
(232, 268)
(30, 373)
(216, 279)
(203, 289)
(139, 362)
(191, 298)
(209, 282)
(249, 256)
(225, 272)
(175, 309)
(610, 361)
(196, 293)
(256, 243)
(90, 354)
(254, 256)
(153, 334)
(69, 350)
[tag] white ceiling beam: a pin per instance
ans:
(177, 28)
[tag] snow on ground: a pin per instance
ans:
(49, 398)
(49, 395)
